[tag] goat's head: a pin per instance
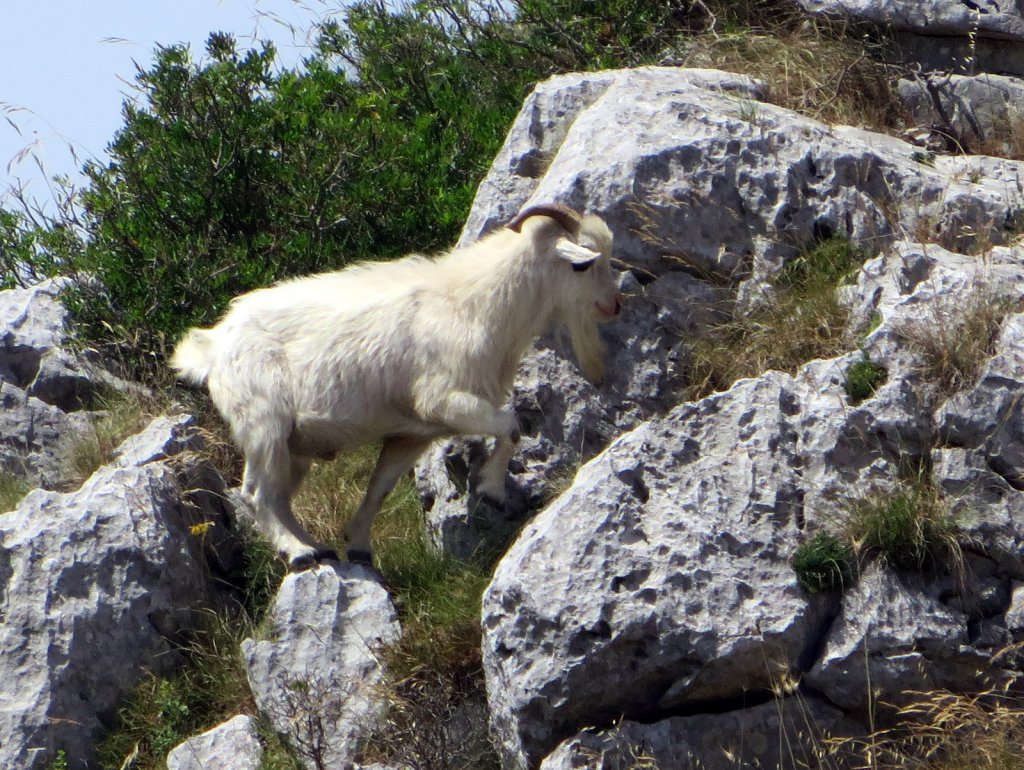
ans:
(580, 248)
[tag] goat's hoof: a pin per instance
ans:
(303, 562)
(326, 554)
(360, 556)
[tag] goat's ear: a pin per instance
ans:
(580, 257)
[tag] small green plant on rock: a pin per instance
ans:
(823, 563)
(12, 489)
(863, 378)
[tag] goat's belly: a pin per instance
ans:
(319, 436)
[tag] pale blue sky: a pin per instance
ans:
(66, 66)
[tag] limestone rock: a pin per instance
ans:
(93, 584)
(234, 745)
(966, 36)
(35, 436)
(989, 18)
(660, 578)
(892, 639)
(979, 111)
(314, 674)
(166, 436)
(711, 195)
(784, 733)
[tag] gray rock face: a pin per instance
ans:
(710, 176)
(234, 745)
(711, 182)
(953, 35)
(785, 733)
(981, 111)
(44, 387)
(34, 436)
(890, 640)
(660, 578)
(988, 18)
(92, 586)
(314, 675)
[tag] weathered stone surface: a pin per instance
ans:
(234, 745)
(711, 182)
(93, 584)
(892, 639)
(315, 673)
(967, 36)
(35, 436)
(785, 733)
(974, 112)
(33, 354)
(730, 184)
(987, 18)
(166, 436)
(660, 578)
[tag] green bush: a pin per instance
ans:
(823, 563)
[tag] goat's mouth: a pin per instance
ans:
(609, 311)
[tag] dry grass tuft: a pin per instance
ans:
(829, 70)
(125, 414)
(942, 730)
(803, 321)
(956, 337)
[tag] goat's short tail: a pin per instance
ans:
(194, 356)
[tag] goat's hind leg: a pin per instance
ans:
(271, 477)
(397, 456)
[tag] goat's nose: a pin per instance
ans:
(619, 299)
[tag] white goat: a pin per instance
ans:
(400, 352)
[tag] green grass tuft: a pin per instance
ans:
(12, 489)
(863, 378)
(823, 563)
(910, 527)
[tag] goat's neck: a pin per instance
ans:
(517, 305)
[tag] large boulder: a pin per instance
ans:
(660, 579)
(316, 671)
(95, 585)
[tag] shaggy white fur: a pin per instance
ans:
(400, 352)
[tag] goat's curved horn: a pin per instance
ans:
(564, 215)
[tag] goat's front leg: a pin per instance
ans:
(466, 413)
(397, 456)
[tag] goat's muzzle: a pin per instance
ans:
(612, 310)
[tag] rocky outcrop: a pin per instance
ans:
(316, 671)
(954, 35)
(658, 586)
(967, 113)
(46, 389)
(234, 745)
(95, 585)
(712, 192)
